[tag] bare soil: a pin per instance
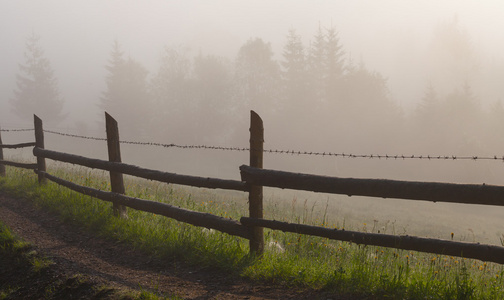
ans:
(107, 263)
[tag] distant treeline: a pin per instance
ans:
(313, 93)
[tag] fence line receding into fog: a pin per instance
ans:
(254, 177)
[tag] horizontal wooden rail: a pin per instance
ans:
(482, 252)
(15, 146)
(207, 220)
(18, 165)
(195, 181)
(383, 188)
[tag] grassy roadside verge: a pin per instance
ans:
(26, 274)
(292, 260)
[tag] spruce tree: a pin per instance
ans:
(334, 65)
(257, 75)
(294, 75)
(171, 93)
(37, 88)
(317, 66)
(126, 97)
(115, 79)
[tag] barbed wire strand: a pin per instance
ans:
(291, 152)
(16, 130)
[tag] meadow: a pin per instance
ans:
(290, 259)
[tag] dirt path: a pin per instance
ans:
(105, 262)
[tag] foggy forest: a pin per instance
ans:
(313, 97)
(335, 78)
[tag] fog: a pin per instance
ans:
(408, 77)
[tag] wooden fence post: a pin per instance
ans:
(256, 192)
(114, 153)
(39, 143)
(2, 167)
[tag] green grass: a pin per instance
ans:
(293, 260)
(24, 273)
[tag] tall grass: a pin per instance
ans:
(290, 259)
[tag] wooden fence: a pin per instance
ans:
(254, 177)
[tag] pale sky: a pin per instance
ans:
(387, 35)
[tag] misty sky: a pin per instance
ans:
(387, 35)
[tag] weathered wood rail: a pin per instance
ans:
(254, 177)
(405, 242)
(4, 163)
(202, 182)
(381, 188)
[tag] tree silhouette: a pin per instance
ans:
(317, 66)
(295, 77)
(334, 65)
(171, 93)
(257, 76)
(211, 105)
(115, 82)
(126, 96)
(452, 57)
(37, 88)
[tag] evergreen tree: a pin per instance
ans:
(115, 83)
(257, 77)
(37, 88)
(172, 93)
(317, 66)
(212, 107)
(452, 57)
(429, 109)
(334, 65)
(126, 97)
(368, 108)
(294, 76)
(462, 120)
(427, 123)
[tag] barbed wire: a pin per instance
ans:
(291, 152)
(16, 130)
(294, 152)
(75, 135)
(386, 156)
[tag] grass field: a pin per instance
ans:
(290, 259)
